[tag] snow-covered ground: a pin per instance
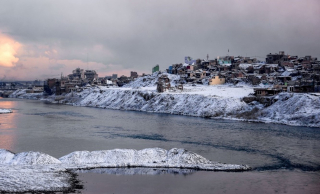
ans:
(35, 171)
(293, 109)
(219, 101)
(4, 111)
(149, 158)
(32, 171)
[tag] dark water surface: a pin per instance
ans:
(285, 159)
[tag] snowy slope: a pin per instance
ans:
(35, 171)
(150, 157)
(209, 101)
(223, 101)
(31, 171)
(294, 109)
(21, 93)
(18, 178)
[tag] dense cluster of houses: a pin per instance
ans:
(280, 71)
(81, 79)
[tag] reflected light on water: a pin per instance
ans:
(7, 141)
(7, 104)
(7, 122)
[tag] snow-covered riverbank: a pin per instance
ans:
(35, 171)
(221, 101)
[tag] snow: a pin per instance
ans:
(244, 65)
(33, 179)
(4, 111)
(218, 91)
(30, 171)
(150, 157)
(217, 101)
(5, 156)
(31, 158)
(294, 109)
(39, 172)
(208, 103)
(21, 93)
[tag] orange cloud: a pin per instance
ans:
(8, 51)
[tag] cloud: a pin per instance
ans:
(136, 35)
(58, 67)
(8, 51)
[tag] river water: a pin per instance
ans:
(285, 159)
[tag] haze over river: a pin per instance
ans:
(285, 159)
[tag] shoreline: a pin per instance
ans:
(197, 105)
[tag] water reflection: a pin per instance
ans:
(7, 122)
(7, 141)
(138, 171)
(7, 104)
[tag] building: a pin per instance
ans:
(114, 76)
(188, 60)
(217, 80)
(277, 58)
(155, 68)
(163, 83)
(77, 74)
(90, 75)
(133, 74)
(222, 60)
(51, 82)
(266, 91)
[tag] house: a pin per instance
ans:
(266, 91)
(77, 73)
(188, 60)
(133, 74)
(276, 58)
(163, 83)
(90, 75)
(155, 68)
(217, 80)
(200, 74)
(225, 59)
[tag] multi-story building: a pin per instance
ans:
(90, 75)
(77, 73)
(133, 74)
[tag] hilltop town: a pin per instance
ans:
(279, 72)
(283, 89)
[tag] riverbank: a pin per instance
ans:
(224, 101)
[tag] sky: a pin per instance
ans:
(42, 39)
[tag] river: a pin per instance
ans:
(285, 159)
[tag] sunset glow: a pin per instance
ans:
(8, 51)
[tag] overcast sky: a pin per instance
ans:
(41, 39)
